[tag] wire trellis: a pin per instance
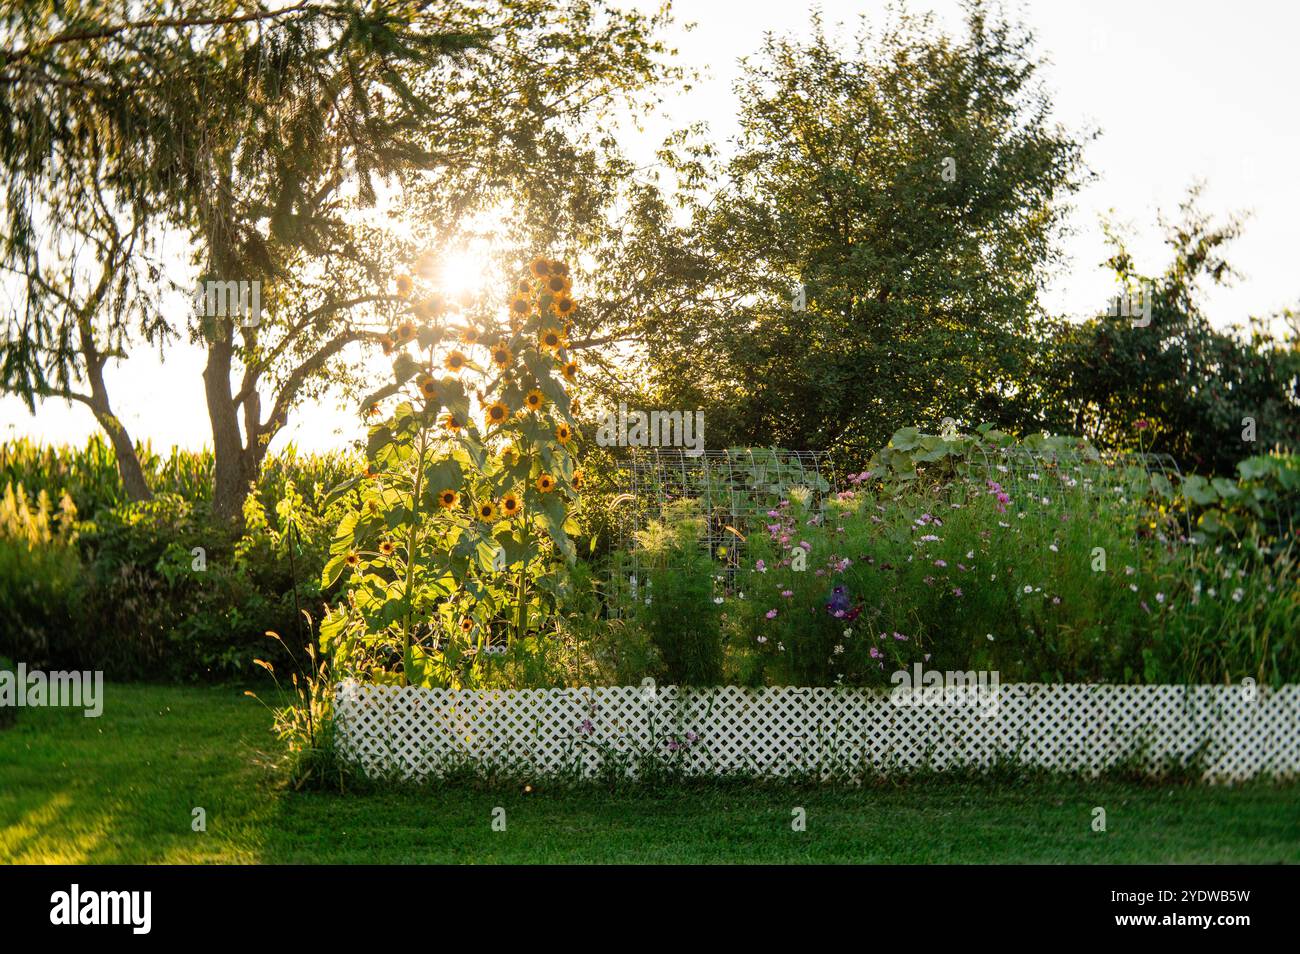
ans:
(731, 491)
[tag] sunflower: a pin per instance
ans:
(501, 355)
(370, 473)
(387, 548)
(564, 433)
(521, 306)
(372, 506)
(353, 558)
(455, 362)
(546, 483)
(470, 335)
(552, 339)
(429, 388)
(509, 456)
(559, 268)
(452, 422)
(448, 498)
(578, 479)
(423, 309)
(387, 343)
(405, 332)
(570, 371)
(563, 306)
(523, 287)
(557, 285)
(511, 505)
(496, 413)
(403, 284)
(540, 268)
(534, 400)
(466, 625)
(487, 511)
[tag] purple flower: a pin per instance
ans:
(586, 728)
(760, 566)
(771, 614)
(787, 593)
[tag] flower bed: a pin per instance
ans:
(1222, 733)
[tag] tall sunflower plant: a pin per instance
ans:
(456, 550)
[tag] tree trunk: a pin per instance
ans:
(128, 462)
(227, 444)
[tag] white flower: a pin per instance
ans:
(989, 637)
(718, 600)
(1053, 548)
(1028, 588)
(1133, 587)
(1160, 597)
(762, 639)
(970, 554)
(1237, 594)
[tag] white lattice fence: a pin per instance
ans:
(1233, 734)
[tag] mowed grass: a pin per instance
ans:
(121, 789)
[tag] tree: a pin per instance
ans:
(911, 187)
(1175, 385)
(271, 138)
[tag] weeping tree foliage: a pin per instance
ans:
(912, 183)
(293, 148)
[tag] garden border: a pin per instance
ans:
(1221, 733)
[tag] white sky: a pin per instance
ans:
(1180, 89)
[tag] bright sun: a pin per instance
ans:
(462, 272)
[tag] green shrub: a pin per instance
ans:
(674, 599)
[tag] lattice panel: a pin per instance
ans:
(820, 732)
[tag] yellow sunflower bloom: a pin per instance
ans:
(404, 285)
(552, 339)
(557, 285)
(540, 268)
(455, 362)
(501, 355)
(487, 511)
(511, 505)
(570, 371)
(496, 413)
(470, 335)
(546, 483)
(405, 332)
(521, 306)
(564, 433)
(578, 479)
(452, 422)
(534, 400)
(448, 498)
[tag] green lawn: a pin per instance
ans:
(121, 789)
